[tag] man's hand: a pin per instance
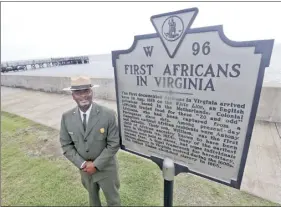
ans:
(89, 167)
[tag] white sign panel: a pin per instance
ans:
(190, 94)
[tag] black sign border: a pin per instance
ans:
(263, 47)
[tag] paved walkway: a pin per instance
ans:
(41, 107)
(262, 176)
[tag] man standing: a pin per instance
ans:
(89, 138)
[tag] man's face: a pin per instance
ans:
(83, 98)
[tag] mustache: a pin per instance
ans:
(84, 102)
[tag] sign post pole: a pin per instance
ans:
(168, 174)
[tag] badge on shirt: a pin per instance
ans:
(102, 130)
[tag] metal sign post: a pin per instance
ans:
(168, 174)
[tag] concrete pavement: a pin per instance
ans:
(262, 176)
(41, 107)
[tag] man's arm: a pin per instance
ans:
(112, 144)
(68, 148)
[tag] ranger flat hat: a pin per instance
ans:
(80, 83)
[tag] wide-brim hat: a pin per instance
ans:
(80, 83)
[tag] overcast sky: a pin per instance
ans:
(52, 29)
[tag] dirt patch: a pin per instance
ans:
(41, 141)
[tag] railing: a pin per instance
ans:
(43, 63)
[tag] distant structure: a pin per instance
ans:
(42, 63)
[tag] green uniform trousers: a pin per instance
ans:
(109, 185)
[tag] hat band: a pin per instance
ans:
(81, 87)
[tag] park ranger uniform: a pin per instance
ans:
(99, 142)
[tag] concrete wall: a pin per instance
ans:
(57, 84)
(270, 103)
(269, 106)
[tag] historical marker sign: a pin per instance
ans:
(190, 94)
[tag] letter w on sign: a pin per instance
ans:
(148, 50)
